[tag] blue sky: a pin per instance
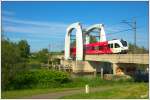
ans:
(44, 23)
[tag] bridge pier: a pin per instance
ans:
(118, 69)
(114, 67)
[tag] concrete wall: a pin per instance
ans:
(120, 58)
(95, 66)
(88, 66)
(79, 66)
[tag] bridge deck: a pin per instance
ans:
(118, 58)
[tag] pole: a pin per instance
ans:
(87, 89)
(102, 72)
(132, 24)
(134, 28)
(49, 54)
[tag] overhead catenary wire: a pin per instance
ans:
(113, 33)
(109, 33)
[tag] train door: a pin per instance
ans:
(111, 47)
(117, 48)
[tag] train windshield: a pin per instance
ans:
(124, 43)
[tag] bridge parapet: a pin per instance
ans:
(120, 58)
(116, 58)
(90, 64)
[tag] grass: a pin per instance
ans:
(76, 83)
(119, 91)
(93, 82)
(14, 94)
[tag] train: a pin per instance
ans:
(115, 46)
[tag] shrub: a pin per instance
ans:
(38, 78)
(82, 81)
(141, 77)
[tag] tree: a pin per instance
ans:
(11, 61)
(73, 43)
(92, 39)
(24, 48)
(137, 49)
(42, 55)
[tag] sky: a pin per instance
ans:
(43, 24)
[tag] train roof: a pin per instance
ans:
(115, 40)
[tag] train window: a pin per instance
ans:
(110, 45)
(92, 48)
(96, 48)
(88, 48)
(124, 43)
(100, 47)
(117, 45)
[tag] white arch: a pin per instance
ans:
(87, 38)
(79, 41)
(102, 32)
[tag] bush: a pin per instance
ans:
(34, 66)
(119, 78)
(141, 77)
(38, 78)
(82, 81)
(122, 78)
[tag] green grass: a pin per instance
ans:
(29, 92)
(125, 89)
(93, 82)
(75, 83)
(118, 91)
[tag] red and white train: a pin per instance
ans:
(108, 47)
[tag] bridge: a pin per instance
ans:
(116, 58)
(120, 58)
(93, 63)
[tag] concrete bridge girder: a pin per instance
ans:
(120, 58)
(80, 37)
(114, 58)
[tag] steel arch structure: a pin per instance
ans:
(80, 38)
(79, 41)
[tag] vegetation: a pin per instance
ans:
(13, 59)
(52, 79)
(38, 79)
(92, 39)
(24, 48)
(41, 56)
(21, 71)
(93, 82)
(14, 94)
(17, 61)
(118, 91)
(137, 49)
(79, 83)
